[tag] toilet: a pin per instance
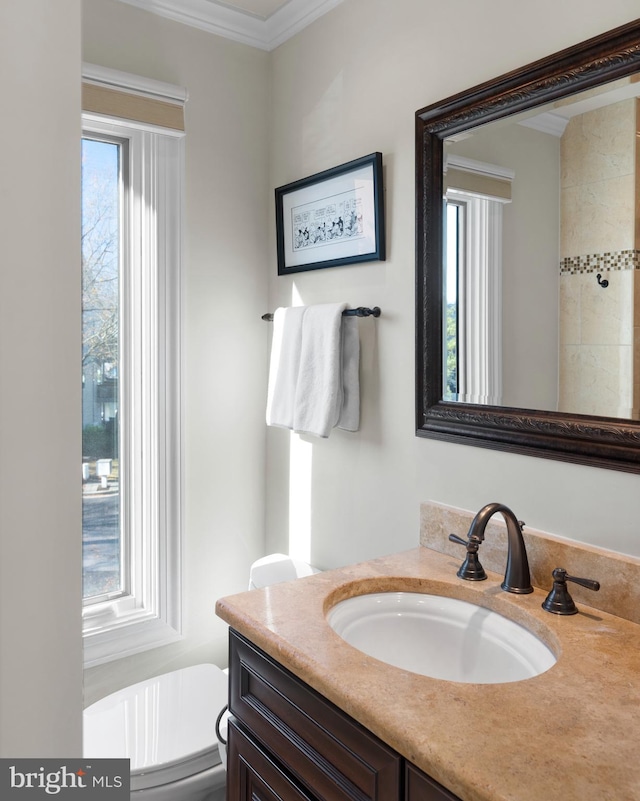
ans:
(166, 725)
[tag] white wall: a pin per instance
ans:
(347, 86)
(225, 270)
(40, 451)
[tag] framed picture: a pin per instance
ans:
(334, 217)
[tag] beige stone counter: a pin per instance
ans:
(571, 733)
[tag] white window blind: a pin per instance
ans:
(130, 97)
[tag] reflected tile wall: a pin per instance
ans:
(606, 313)
(597, 379)
(599, 359)
(591, 314)
(596, 145)
(597, 181)
(598, 217)
(570, 291)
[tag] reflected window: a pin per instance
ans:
(453, 251)
(472, 338)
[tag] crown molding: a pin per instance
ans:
(136, 84)
(479, 167)
(240, 26)
(547, 122)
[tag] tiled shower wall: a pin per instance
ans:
(599, 334)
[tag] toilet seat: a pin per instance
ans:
(165, 725)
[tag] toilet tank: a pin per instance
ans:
(276, 568)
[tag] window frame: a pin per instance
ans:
(151, 425)
(479, 297)
(453, 273)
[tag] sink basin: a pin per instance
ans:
(440, 637)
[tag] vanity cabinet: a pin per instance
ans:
(288, 743)
(420, 787)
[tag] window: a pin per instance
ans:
(454, 248)
(131, 237)
(104, 575)
(472, 340)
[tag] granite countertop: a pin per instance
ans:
(570, 733)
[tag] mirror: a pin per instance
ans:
(527, 259)
(540, 219)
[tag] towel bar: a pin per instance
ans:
(361, 311)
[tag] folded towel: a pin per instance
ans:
(318, 399)
(284, 365)
(314, 370)
(350, 413)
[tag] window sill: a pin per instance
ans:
(132, 638)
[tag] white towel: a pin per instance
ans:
(318, 400)
(350, 414)
(284, 365)
(314, 370)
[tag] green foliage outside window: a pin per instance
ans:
(451, 388)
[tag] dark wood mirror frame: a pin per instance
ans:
(597, 441)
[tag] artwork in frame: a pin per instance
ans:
(332, 218)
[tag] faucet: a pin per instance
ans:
(517, 578)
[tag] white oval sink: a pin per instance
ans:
(440, 637)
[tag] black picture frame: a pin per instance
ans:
(332, 218)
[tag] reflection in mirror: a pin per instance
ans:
(528, 251)
(539, 205)
(475, 193)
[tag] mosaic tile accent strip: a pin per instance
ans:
(597, 262)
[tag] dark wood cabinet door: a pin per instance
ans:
(253, 776)
(420, 787)
(289, 743)
(325, 750)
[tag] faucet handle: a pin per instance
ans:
(470, 569)
(558, 601)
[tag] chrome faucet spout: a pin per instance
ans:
(517, 577)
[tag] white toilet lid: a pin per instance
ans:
(165, 725)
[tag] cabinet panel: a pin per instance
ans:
(253, 776)
(420, 787)
(315, 742)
